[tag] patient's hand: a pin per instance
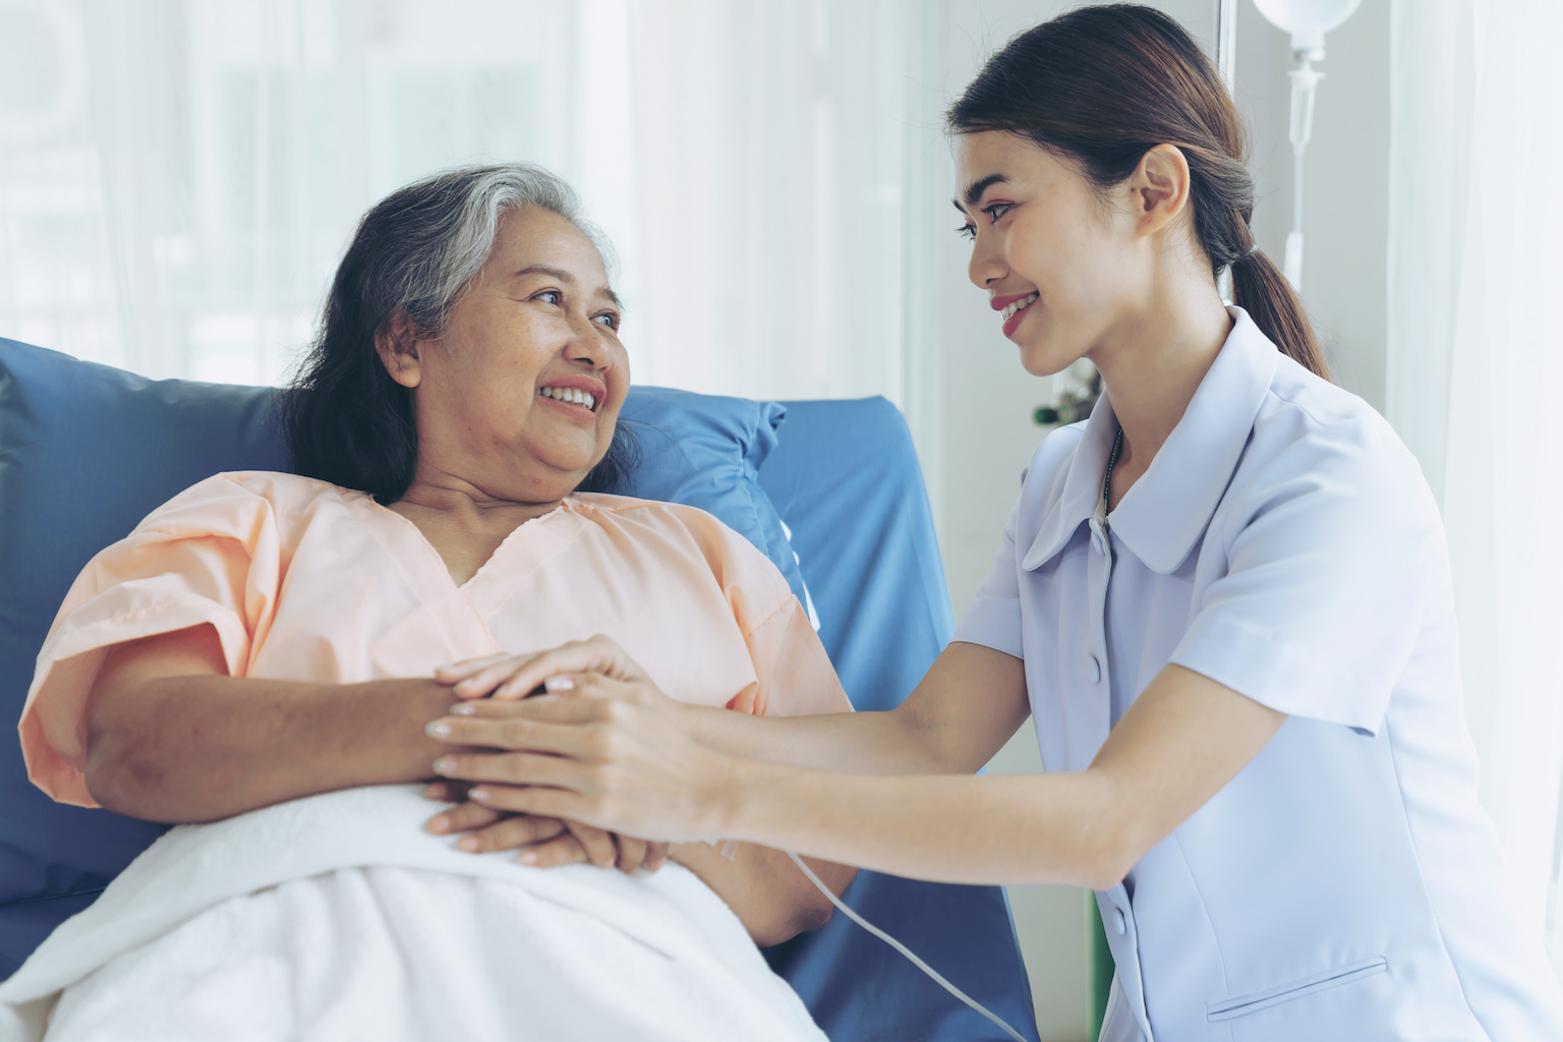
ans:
(543, 842)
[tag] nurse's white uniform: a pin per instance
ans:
(1346, 885)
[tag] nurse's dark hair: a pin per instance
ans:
(414, 254)
(1101, 86)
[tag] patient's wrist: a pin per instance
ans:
(403, 708)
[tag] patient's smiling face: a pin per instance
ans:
(501, 397)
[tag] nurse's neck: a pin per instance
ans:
(1152, 363)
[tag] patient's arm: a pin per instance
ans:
(765, 889)
(172, 738)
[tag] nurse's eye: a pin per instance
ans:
(967, 231)
(996, 210)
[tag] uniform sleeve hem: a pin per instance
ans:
(1257, 665)
(993, 623)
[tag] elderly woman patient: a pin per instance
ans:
(262, 659)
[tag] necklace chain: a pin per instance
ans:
(1107, 482)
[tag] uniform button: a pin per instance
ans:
(1121, 923)
(1093, 666)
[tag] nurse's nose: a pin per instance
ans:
(986, 267)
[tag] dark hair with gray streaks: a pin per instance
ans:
(415, 253)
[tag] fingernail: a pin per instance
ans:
(528, 858)
(444, 765)
(479, 793)
(468, 844)
(438, 729)
(465, 709)
(559, 684)
(438, 825)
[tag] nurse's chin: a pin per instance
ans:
(1047, 359)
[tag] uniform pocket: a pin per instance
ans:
(1242, 1005)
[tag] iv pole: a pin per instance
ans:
(1226, 64)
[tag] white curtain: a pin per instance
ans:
(178, 179)
(1476, 377)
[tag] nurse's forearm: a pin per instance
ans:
(970, 703)
(1184, 739)
(199, 748)
(1033, 828)
(871, 743)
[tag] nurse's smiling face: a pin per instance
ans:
(520, 394)
(1045, 241)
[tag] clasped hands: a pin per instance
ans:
(576, 774)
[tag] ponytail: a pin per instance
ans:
(1105, 84)
(1259, 288)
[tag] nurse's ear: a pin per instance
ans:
(1158, 190)
(397, 345)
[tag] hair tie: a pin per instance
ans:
(1250, 252)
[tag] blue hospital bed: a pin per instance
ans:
(843, 477)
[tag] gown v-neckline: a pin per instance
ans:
(431, 554)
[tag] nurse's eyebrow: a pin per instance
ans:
(565, 276)
(974, 190)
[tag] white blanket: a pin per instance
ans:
(337, 917)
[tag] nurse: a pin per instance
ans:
(1223, 600)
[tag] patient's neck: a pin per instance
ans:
(464, 522)
(477, 503)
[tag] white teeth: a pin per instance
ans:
(1023, 302)
(573, 395)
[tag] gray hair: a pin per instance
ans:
(447, 224)
(415, 252)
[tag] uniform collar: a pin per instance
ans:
(1168, 509)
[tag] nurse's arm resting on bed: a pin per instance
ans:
(172, 738)
(617, 753)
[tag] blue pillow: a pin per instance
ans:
(706, 450)
(87, 451)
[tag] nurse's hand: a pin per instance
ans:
(543, 842)
(507, 677)
(614, 753)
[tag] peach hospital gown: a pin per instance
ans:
(303, 580)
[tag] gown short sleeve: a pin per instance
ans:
(1317, 614)
(209, 556)
(793, 674)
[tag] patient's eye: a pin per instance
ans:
(612, 319)
(557, 297)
